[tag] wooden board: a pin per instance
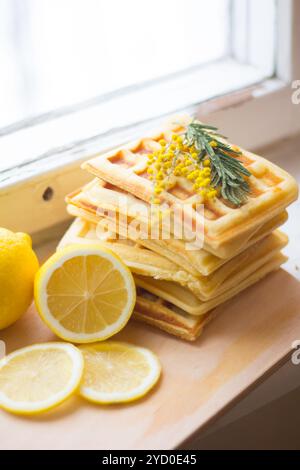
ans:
(250, 336)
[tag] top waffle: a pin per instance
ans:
(225, 227)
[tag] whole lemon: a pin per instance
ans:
(18, 266)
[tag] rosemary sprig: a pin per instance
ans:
(227, 172)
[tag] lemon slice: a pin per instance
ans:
(117, 372)
(39, 377)
(85, 293)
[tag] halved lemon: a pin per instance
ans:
(117, 372)
(39, 377)
(85, 293)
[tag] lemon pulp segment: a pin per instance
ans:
(85, 294)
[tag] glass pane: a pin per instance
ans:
(56, 53)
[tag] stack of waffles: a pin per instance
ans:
(179, 283)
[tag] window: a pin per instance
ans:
(60, 52)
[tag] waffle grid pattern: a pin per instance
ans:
(272, 189)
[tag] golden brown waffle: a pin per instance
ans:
(167, 316)
(139, 260)
(165, 304)
(185, 300)
(149, 309)
(147, 263)
(233, 273)
(226, 228)
(98, 194)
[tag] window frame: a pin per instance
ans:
(58, 167)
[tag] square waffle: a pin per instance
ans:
(101, 195)
(236, 271)
(140, 260)
(226, 228)
(144, 262)
(165, 305)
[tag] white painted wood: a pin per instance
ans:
(240, 30)
(254, 33)
(296, 41)
(21, 144)
(285, 40)
(262, 35)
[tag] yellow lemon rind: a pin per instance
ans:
(18, 266)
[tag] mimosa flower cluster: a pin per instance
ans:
(181, 160)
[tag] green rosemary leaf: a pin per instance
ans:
(233, 196)
(202, 155)
(227, 172)
(232, 175)
(209, 150)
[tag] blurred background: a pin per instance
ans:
(61, 52)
